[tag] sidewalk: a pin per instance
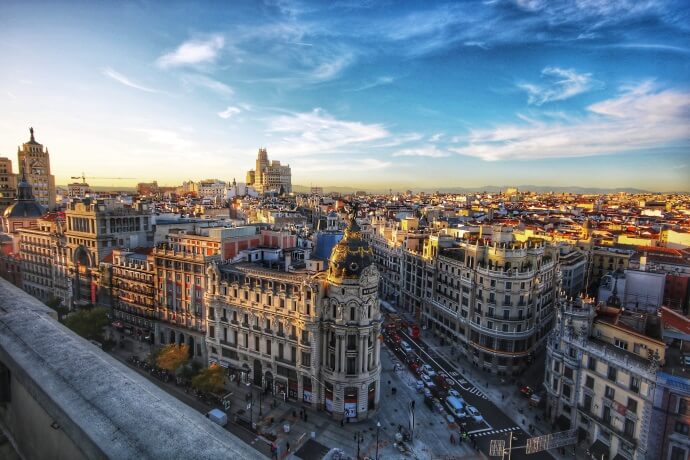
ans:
(504, 392)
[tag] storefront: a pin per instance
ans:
(328, 397)
(350, 408)
(306, 390)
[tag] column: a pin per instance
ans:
(343, 359)
(363, 353)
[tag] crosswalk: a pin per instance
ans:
(490, 432)
(478, 392)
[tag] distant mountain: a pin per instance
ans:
(489, 189)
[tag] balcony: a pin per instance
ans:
(608, 425)
(503, 334)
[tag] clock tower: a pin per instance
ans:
(36, 160)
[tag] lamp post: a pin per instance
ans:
(360, 438)
(412, 403)
(378, 428)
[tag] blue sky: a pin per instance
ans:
(354, 93)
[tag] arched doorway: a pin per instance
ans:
(180, 339)
(258, 372)
(172, 337)
(84, 294)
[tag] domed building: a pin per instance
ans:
(24, 212)
(351, 327)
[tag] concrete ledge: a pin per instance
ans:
(104, 408)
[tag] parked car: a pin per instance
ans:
(419, 384)
(406, 348)
(415, 368)
(473, 413)
(427, 381)
(534, 400)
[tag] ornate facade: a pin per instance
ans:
(302, 336)
(34, 161)
(269, 176)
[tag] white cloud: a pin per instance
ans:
(118, 77)
(563, 84)
(165, 137)
(318, 132)
(639, 118)
(229, 112)
(340, 165)
(430, 151)
(330, 69)
(202, 81)
(193, 52)
(435, 137)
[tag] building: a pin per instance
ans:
(133, 281)
(302, 336)
(78, 190)
(495, 299)
(37, 252)
(605, 260)
(600, 376)
(213, 191)
(8, 183)
(180, 285)
(24, 212)
(36, 160)
(93, 229)
(269, 176)
(148, 188)
(573, 263)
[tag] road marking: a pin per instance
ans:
(502, 430)
(480, 431)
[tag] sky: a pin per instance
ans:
(364, 94)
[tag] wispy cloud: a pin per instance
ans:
(202, 81)
(379, 81)
(340, 164)
(193, 52)
(639, 118)
(562, 84)
(317, 132)
(118, 77)
(430, 151)
(229, 112)
(435, 137)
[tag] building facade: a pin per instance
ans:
(8, 183)
(601, 377)
(36, 160)
(307, 337)
(134, 306)
(269, 176)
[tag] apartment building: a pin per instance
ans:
(495, 299)
(133, 281)
(573, 264)
(8, 183)
(301, 336)
(601, 376)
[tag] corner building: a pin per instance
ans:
(303, 336)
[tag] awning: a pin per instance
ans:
(598, 451)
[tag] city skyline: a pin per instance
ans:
(357, 94)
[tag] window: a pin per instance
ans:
(678, 453)
(566, 391)
(629, 428)
(306, 359)
(683, 407)
(621, 344)
(632, 405)
(352, 314)
(607, 414)
(256, 343)
(568, 372)
(589, 382)
(610, 392)
(592, 364)
(268, 347)
(350, 366)
(635, 384)
(682, 428)
(612, 374)
(588, 403)
(212, 332)
(509, 285)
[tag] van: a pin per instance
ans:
(218, 416)
(456, 406)
(405, 347)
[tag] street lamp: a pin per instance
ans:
(360, 438)
(378, 428)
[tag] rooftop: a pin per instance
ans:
(103, 407)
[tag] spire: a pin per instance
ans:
(31, 130)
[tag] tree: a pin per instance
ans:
(88, 323)
(210, 380)
(171, 357)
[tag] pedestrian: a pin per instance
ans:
(287, 447)
(503, 396)
(452, 439)
(342, 422)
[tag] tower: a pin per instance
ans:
(261, 165)
(36, 160)
(350, 331)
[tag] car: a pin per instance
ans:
(406, 348)
(455, 393)
(526, 391)
(473, 413)
(425, 378)
(414, 367)
(419, 385)
(429, 371)
(427, 393)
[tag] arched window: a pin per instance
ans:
(352, 313)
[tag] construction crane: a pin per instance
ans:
(83, 178)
